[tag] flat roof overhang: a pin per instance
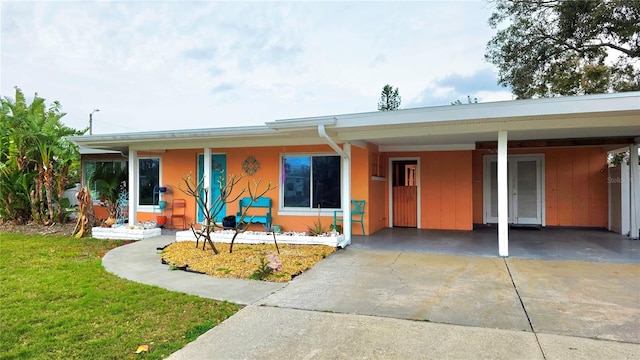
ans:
(433, 128)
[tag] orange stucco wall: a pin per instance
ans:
(575, 185)
(445, 188)
(360, 183)
(451, 185)
(377, 205)
(176, 164)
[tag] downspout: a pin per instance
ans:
(334, 146)
(346, 182)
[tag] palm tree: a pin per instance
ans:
(34, 151)
(110, 182)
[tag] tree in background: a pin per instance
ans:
(469, 101)
(36, 161)
(389, 98)
(568, 47)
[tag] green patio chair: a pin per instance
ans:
(357, 214)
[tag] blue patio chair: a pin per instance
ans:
(357, 214)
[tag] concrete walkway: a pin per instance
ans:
(392, 304)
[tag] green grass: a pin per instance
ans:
(58, 302)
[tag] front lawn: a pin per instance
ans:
(57, 301)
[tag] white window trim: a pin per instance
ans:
(148, 208)
(292, 211)
(83, 179)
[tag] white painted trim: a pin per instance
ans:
(419, 191)
(625, 199)
(133, 187)
(267, 238)
(124, 233)
(503, 196)
(292, 124)
(138, 177)
(609, 202)
(346, 193)
(149, 209)
(305, 211)
(634, 193)
(83, 176)
(486, 187)
(410, 148)
(206, 172)
(543, 189)
(512, 160)
(596, 112)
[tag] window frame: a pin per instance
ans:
(302, 211)
(84, 180)
(152, 207)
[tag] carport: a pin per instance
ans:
(544, 244)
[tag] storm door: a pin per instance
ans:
(525, 192)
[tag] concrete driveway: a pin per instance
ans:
(395, 304)
(590, 300)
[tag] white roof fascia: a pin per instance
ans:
(558, 106)
(89, 151)
(302, 123)
(513, 114)
(173, 135)
(185, 133)
(485, 126)
(231, 142)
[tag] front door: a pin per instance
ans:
(405, 193)
(218, 173)
(525, 192)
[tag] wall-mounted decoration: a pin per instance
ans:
(250, 165)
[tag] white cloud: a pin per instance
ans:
(167, 65)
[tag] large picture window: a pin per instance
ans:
(311, 181)
(89, 166)
(149, 180)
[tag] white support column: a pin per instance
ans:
(206, 173)
(503, 196)
(346, 192)
(133, 187)
(634, 193)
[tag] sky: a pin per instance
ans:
(157, 65)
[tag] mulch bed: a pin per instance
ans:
(244, 260)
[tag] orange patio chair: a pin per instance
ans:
(178, 207)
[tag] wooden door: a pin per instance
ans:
(405, 194)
